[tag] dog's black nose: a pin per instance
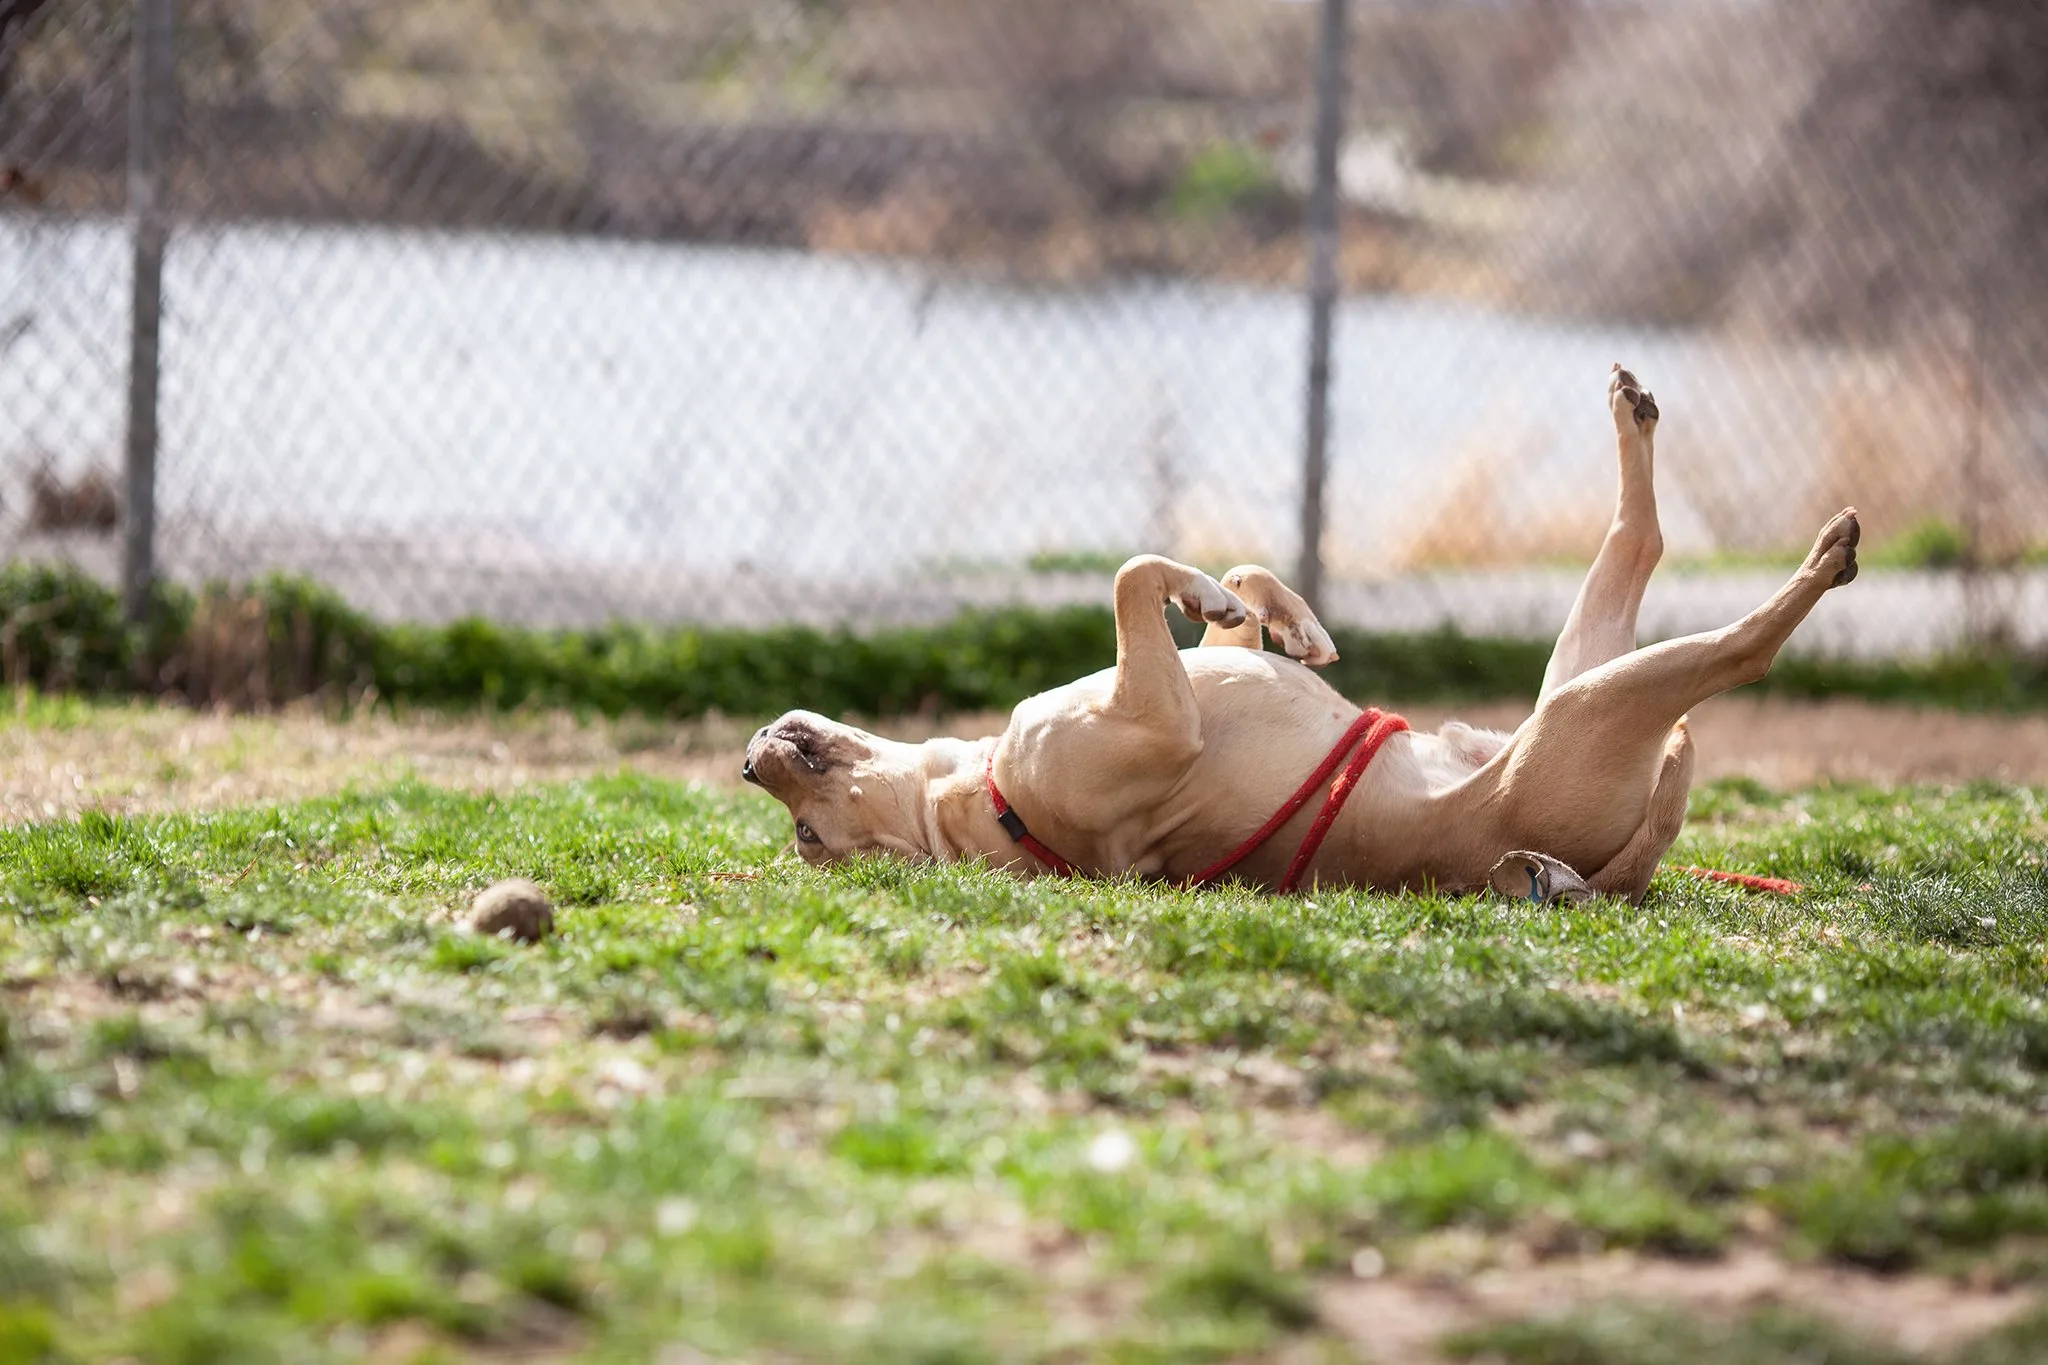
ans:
(747, 768)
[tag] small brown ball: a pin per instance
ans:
(514, 907)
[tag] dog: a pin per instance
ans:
(1184, 765)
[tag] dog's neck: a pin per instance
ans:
(958, 821)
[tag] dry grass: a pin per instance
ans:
(1785, 743)
(1475, 521)
(138, 758)
(55, 763)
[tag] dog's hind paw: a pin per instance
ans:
(1834, 552)
(1635, 410)
(1539, 878)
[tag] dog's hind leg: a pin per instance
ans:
(1628, 873)
(1275, 608)
(1602, 624)
(1579, 780)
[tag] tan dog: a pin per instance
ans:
(1164, 763)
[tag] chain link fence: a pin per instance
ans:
(861, 310)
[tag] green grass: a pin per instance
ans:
(1076, 561)
(260, 1099)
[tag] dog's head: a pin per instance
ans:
(848, 791)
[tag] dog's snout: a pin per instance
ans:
(790, 747)
(747, 772)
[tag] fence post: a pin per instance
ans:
(150, 92)
(1322, 292)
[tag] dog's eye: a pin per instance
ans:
(805, 833)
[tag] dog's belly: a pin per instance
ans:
(1268, 723)
(1406, 824)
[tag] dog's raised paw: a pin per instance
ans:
(1306, 641)
(1635, 409)
(1837, 542)
(1207, 600)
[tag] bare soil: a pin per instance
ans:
(1400, 1319)
(1785, 744)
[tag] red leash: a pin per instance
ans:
(1775, 885)
(1365, 734)
(1293, 804)
(1375, 728)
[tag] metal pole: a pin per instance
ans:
(149, 117)
(1322, 292)
(1976, 623)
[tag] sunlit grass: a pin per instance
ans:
(263, 1099)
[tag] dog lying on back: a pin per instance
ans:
(1175, 759)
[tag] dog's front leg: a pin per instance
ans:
(1093, 765)
(1152, 689)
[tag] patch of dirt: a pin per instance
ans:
(150, 758)
(1316, 1130)
(1783, 743)
(1401, 1318)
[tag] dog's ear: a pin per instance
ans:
(1540, 878)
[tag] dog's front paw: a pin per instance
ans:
(1303, 640)
(1204, 599)
(1635, 411)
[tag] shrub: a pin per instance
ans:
(61, 630)
(285, 638)
(1223, 177)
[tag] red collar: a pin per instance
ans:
(1365, 735)
(1013, 824)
